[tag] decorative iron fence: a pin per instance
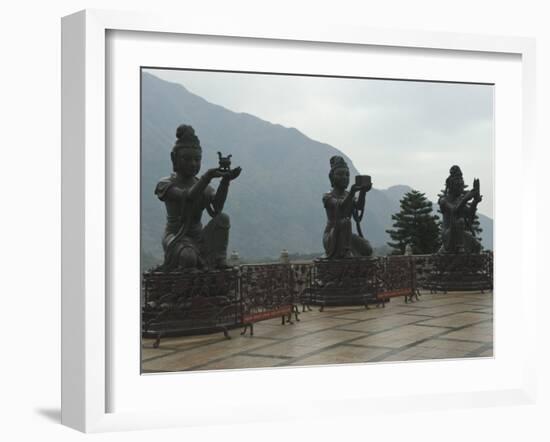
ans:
(195, 302)
(397, 277)
(266, 291)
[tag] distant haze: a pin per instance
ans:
(396, 131)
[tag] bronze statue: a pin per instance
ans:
(459, 208)
(187, 245)
(341, 206)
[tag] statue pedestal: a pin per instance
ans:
(460, 272)
(342, 282)
(183, 303)
(361, 281)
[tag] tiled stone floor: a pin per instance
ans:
(438, 326)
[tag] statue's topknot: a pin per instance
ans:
(337, 162)
(186, 137)
(455, 176)
(455, 171)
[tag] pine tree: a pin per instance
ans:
(416, 225)
(476, 228)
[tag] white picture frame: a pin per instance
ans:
(90, 316)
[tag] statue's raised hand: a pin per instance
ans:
(358, 188)
(215, 173)
(231, 174)
(475, 191)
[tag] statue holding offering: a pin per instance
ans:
(341, 206)
(186, 244)
(459, 208)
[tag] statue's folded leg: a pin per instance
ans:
(445, 241)
(337, 241)
(360, 246)
(215, 237)
(329, 243)
(458, 233)
(181, 255)
(189, 258)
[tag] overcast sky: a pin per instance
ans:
(399, 132)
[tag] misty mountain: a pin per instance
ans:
(276, 203)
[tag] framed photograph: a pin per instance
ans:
(271, 249)
(392, 108)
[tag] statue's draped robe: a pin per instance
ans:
(456, 227)
(184, 227)
(338, 239)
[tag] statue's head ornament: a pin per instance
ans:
(337, 162)
(185, 137)
(455, 171)
(455, 176)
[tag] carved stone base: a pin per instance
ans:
(184, 303)
(460, 272)
(343, 282)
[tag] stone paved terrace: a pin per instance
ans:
(438, 326)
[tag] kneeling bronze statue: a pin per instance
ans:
(186, 243)
(458, 208)
(341, 206)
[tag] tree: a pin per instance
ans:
(416, 225)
